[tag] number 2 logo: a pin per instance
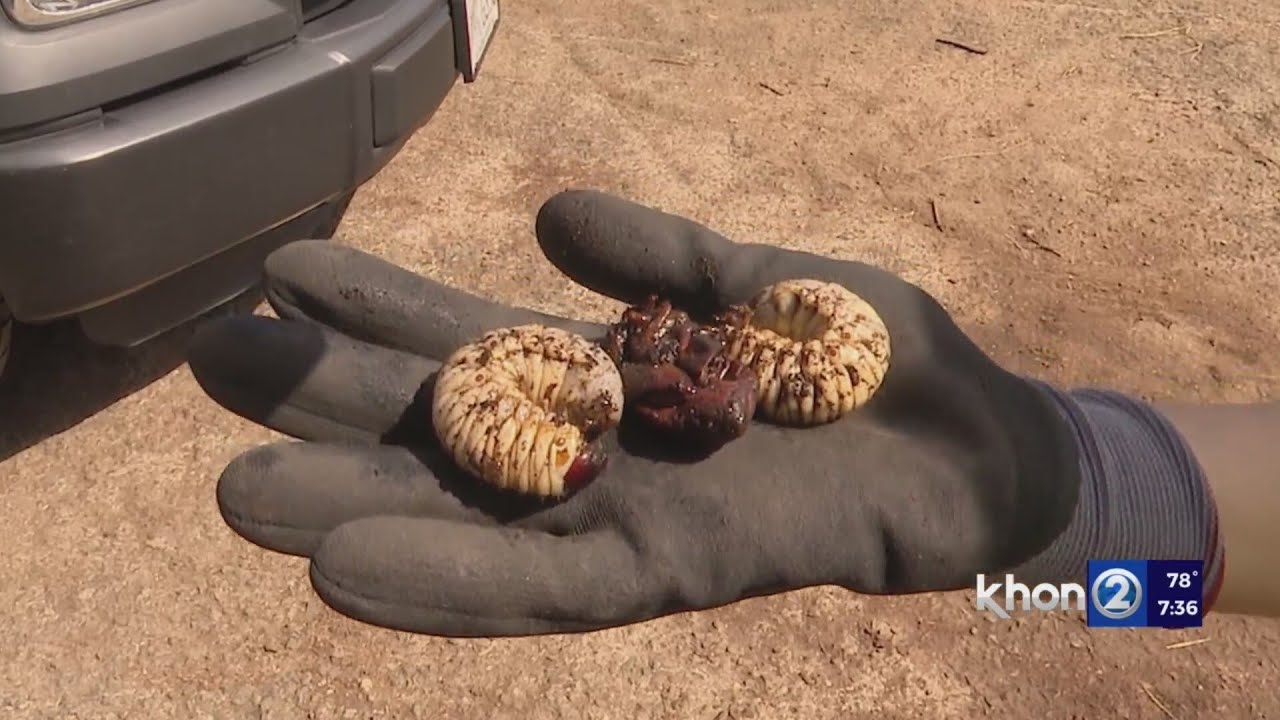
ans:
(1120, 584)
(1111, 593)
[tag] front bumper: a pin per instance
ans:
(122, 197)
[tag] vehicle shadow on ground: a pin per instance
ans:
(57, 378)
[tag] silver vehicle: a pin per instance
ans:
(153, 152)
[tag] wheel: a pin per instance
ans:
(6, 334)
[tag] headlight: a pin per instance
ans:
(46, 13)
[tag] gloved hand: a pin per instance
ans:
(955, 467)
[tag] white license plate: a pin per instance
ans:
(474, 22)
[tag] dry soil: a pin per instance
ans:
(1092, 189)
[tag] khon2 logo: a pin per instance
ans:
(1121, 593)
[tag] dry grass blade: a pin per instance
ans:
(1151, 694)
(1180, 30)
(972, 49)
(1186, 644)
(969, 156)
(1184, 31)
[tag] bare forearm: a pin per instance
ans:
(1238, 446)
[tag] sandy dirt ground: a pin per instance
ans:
(1094, 195)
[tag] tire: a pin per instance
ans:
(6, 334)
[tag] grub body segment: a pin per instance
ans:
(819, 351)
(519, 406)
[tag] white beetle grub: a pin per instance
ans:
(818, 350)
(522, 407)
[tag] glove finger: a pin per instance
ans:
(461, 579)
(310, 382)
(370, 299)
(628, 251)
(287, 496)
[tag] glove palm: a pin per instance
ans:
(955, 467)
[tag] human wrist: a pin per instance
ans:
(1142, 495)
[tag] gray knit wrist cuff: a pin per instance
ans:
(1142, 493)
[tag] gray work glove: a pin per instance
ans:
(955, 467)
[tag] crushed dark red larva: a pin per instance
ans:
(676, 377)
